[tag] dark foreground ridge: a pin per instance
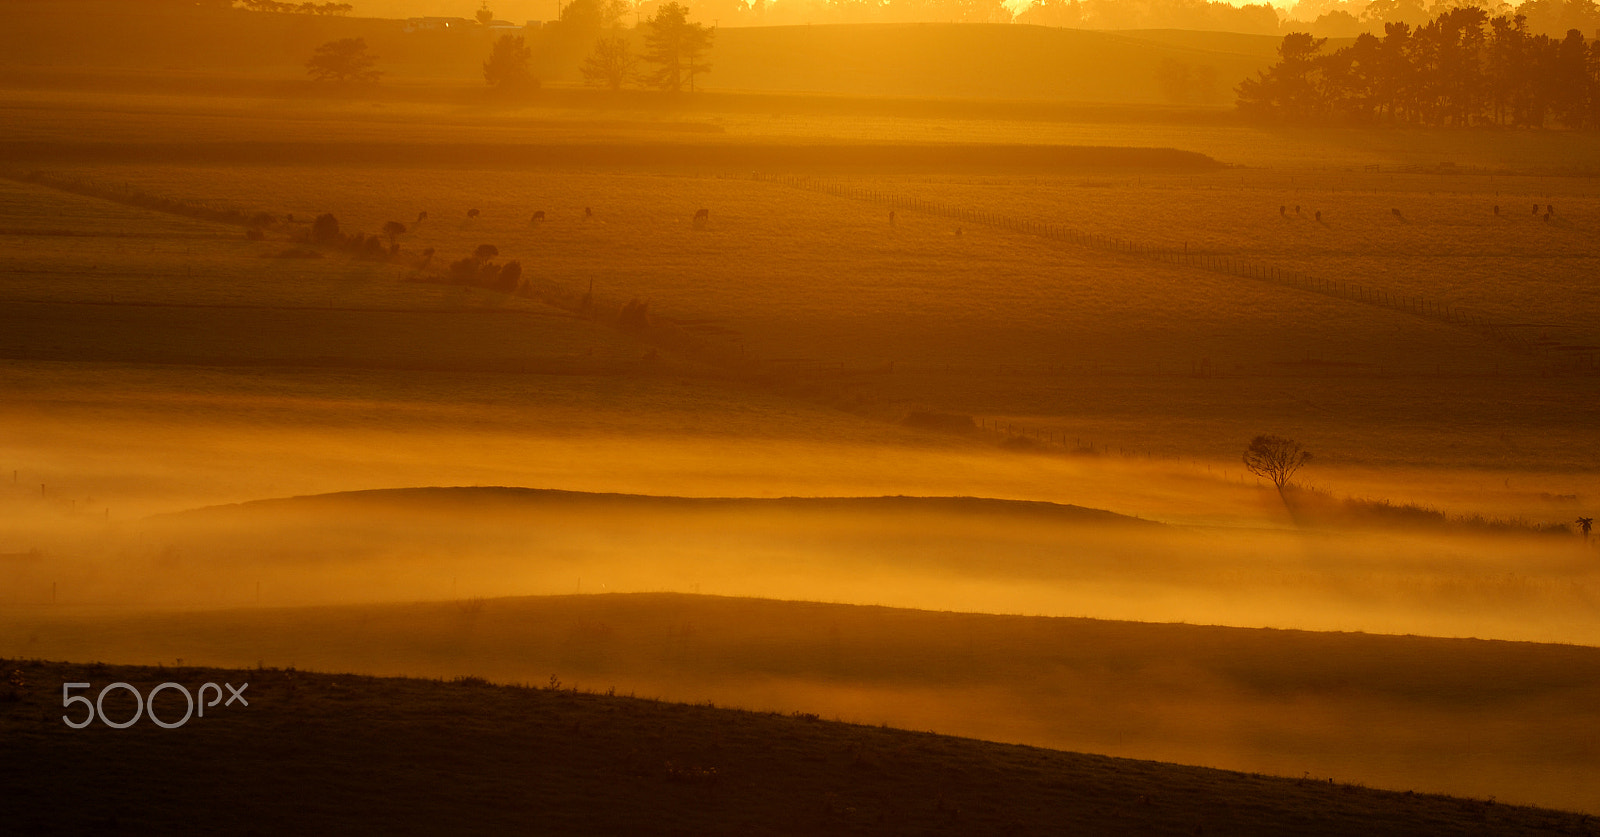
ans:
(501, 499)
(336, 753)
(726, 156)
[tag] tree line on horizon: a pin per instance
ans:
(1336, 18)
(674, 44)
(1349, 18)
(1461, 69)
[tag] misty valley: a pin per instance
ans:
(789, 418)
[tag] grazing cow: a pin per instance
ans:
(1536, 209)
(1550, 209)
(587, 212)
(538, 216)
(701, 218)
(422, 216)
(472, 213)
(958, 232)
(1395, 212)
(1297, 209)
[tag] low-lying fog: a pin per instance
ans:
(967, 555)
(137, 528)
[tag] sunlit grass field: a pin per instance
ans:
(916, 291)
(995, 324)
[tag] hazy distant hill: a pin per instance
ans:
(981, 61)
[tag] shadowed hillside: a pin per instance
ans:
(1512, 720)
(426, 757)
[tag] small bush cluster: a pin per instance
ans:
(479, 271)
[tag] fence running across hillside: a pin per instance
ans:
(1228, 264)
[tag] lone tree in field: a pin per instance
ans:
(611, 65)
(507, 67)
(1275, 458)
(344, 60)
(393, 230)
(675, 45)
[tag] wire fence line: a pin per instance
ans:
(1224, 263)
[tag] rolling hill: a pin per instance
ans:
(161, 48)
(338, 752)
(1513, 720)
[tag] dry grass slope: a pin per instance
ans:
(1483, 718)
(340, 752)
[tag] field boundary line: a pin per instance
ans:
(239, 306)
(1226, 264)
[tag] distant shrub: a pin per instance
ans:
(393, 230)
(374, 249)
(510, 277)
(463, 271)
(325, 230)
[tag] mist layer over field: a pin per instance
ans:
(945, 554)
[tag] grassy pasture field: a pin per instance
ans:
(1005, 348)
(913, 293)
(955, 312)
(1509, 720)
(1449, 244)
(79, 111)
(416, 756)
